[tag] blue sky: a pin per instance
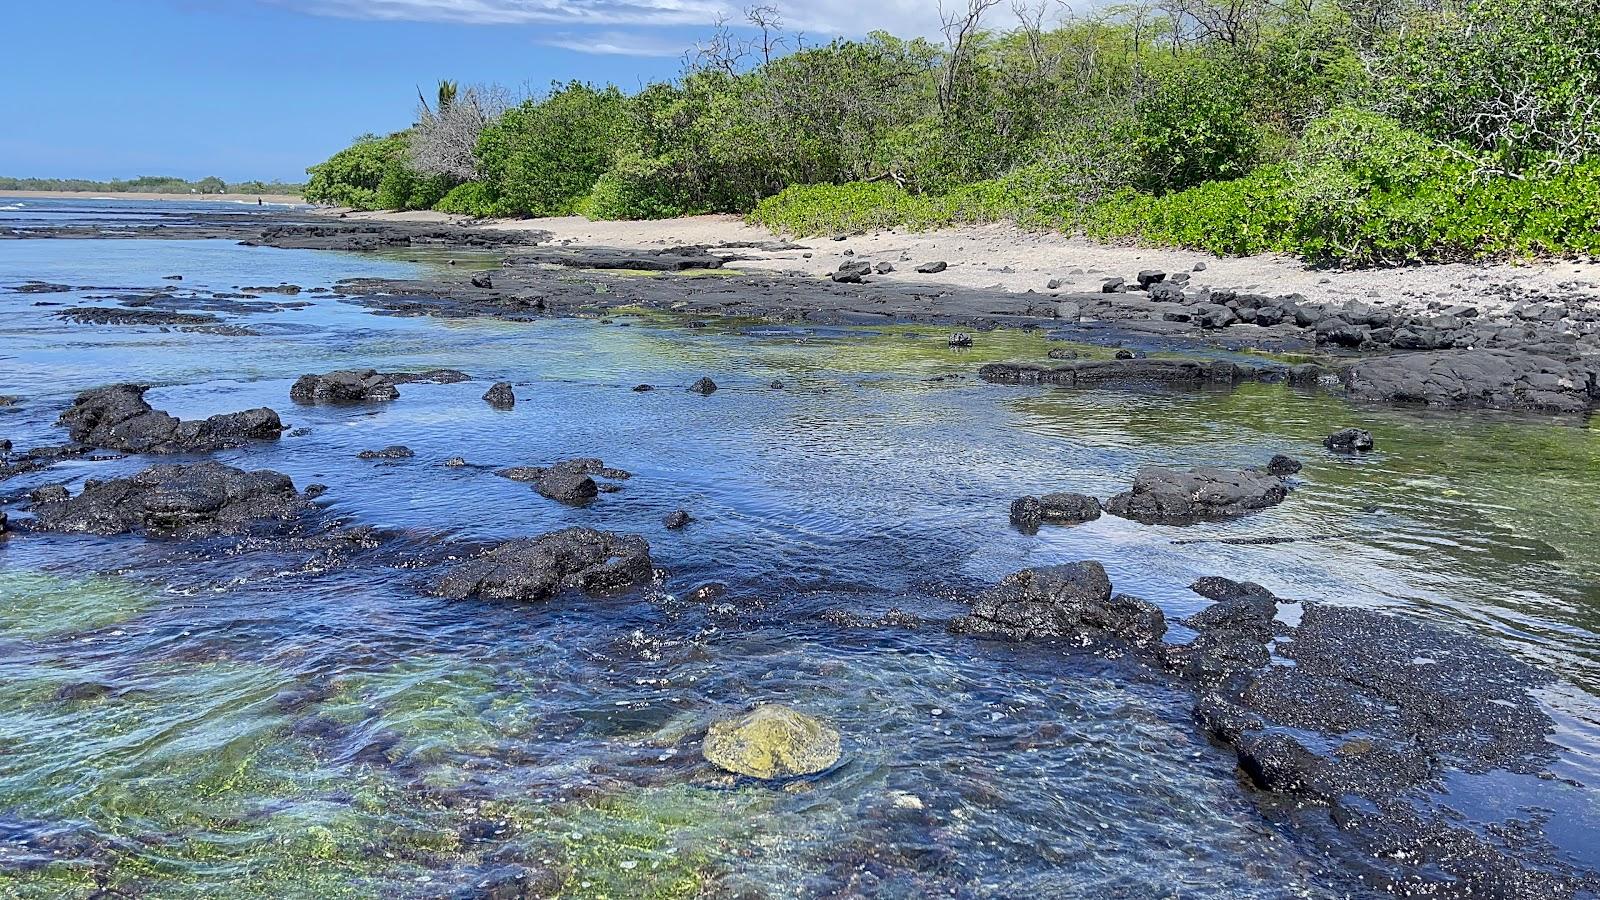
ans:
(262, 88)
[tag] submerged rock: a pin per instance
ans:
(500, 396)
(771, 742)
(704, 386)
(1129, 368)
(535, 569)
(119, 418)
(1349, 440)
(393, 451)
(178, 501)
(1071, 601)
(352, 386)
(1162, 496)
(676, 519)
(110, 315)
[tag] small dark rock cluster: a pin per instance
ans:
(1128, 368)
(1358, 715)
(196, 500)
(354, 386)
(535, 569)
(1028, 513)
(1070, 602)
(570, 481)
(394, 451)
(119, 418)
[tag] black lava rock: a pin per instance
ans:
(1349, 440)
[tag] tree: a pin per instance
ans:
(961, 28)
(444, 143)
(211, 185)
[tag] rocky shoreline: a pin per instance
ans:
(1357, 719)
(1540, 353)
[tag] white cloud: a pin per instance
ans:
(847, 17)
(615, 43)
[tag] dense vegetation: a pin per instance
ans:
(1355, 131)
(152, 184)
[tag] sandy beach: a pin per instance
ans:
(119, 195)
(1007, 258)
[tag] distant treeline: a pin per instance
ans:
(150, 184)
(1350, 131)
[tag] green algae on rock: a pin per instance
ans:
(771, 742)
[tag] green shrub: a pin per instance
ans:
(1365, 191)
(473, 198)
(640, 188)
(1196, 126)
(1513, 79)
(403, 188)
(1229, 218)
(542, 157)
(353, 176)
(812, 209)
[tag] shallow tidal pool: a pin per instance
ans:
(181, 722)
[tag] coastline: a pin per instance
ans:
(133, 195)
(1007, 258)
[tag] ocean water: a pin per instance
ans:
(178, 723)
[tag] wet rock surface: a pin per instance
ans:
(570, 481)
(356, 386)
(103, 315)
(536, 569)
(1555, 381)
(385, 235)
(1284, 466)
(1071, 602)
(1364, 721)
(395, 451)
(119, 418)
(1132, 370)
(1349, 440)
(1367, 717)
(179, 501)
(1163, 496)
(772, 742)
(501, 396)
(1028, 513)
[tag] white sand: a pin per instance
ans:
(1004, 257)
